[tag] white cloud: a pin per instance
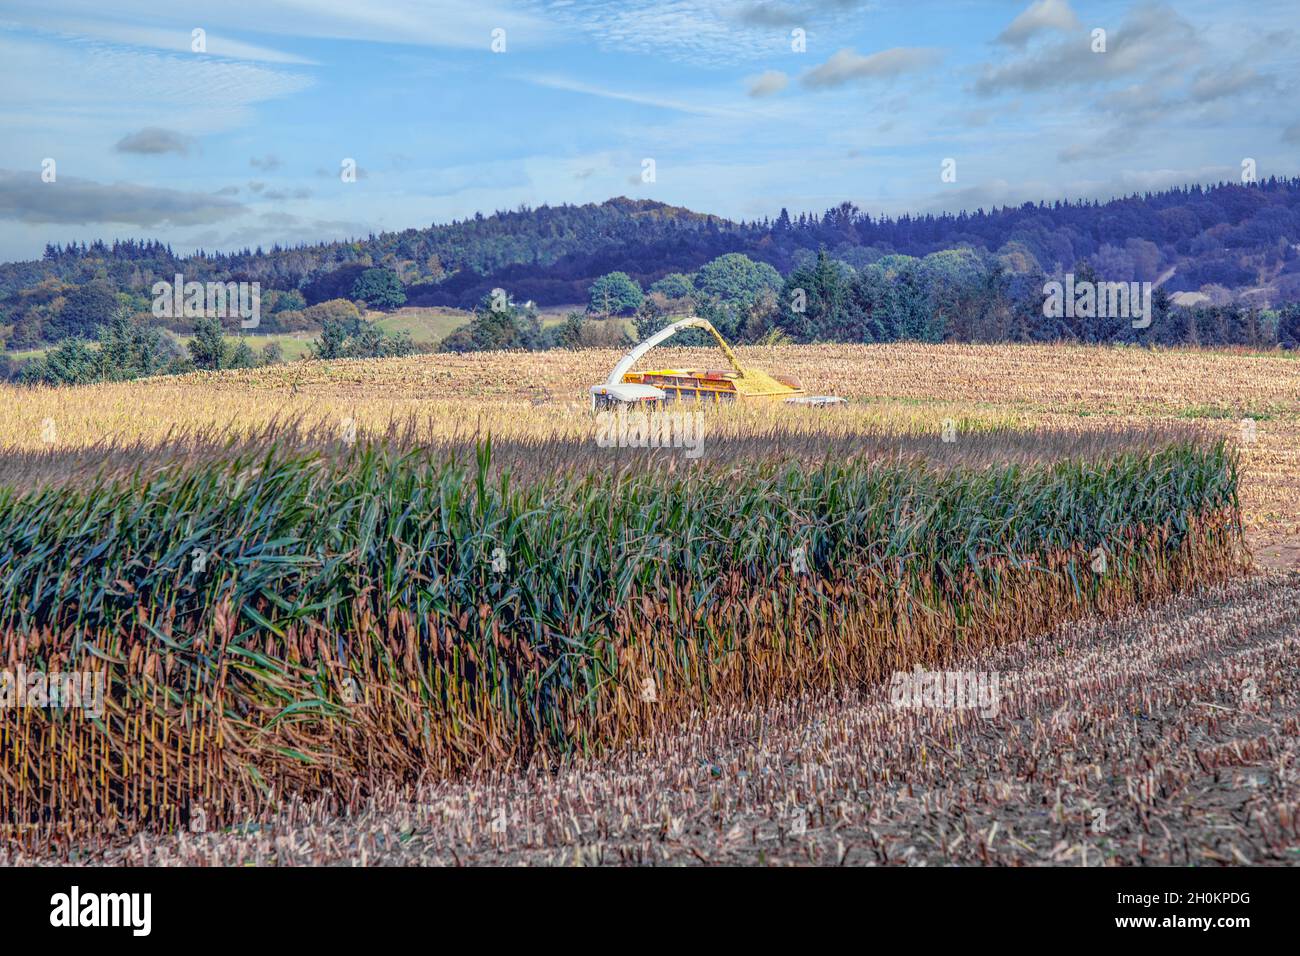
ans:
(177, 40)
(1151, 37)
(768, 83)
(26, 198)
(846, 66)
(90, 83)
(702, 31)
(1214, 84)
(1041, 16)
(154, 141)
(439, 23)
(644, 99)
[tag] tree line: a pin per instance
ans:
(842, 275)
(958, 295)
(1227, 235)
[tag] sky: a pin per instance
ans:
(239, 135)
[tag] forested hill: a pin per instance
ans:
(1233, 239)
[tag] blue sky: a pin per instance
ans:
(241, 145)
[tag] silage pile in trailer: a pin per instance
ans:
(296, 624)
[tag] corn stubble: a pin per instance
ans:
(1128, 740)
(351, 630)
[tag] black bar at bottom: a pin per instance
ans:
(370, 906)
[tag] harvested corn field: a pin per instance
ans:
(327, 584)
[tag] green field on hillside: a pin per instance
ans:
(428, 326)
